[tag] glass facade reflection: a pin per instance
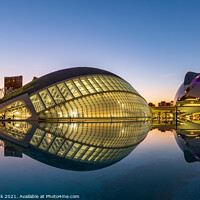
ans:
(90, 142)
(93, 144)
(15, 130)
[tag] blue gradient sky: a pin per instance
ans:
(151, 44)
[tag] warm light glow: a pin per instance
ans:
(74, 113)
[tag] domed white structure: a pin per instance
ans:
(190, 87)
(187, 99)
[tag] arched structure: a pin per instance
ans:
(188, 95)
(80, 93)
(189, 88)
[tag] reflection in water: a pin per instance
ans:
(190, 145)
(188, 139)
(187, 136)
(74, 146)
(15, 130)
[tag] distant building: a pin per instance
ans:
(11, 84)
(165, 104)
(188, 95)
(11, 151)
(189, 89)
(151, 104)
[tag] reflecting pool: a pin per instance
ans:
(122, 160)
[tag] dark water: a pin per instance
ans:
(157, 168)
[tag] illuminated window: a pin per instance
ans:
(88, 85)
(106, 82)
(73, 150)
(46, 142)
(56, 94)
(73, 88)
(64, 90)
(94, 83)
(100, 83)
(38, 135)
(46, 98)
(81, 87)
(56, 145)
(64, 148)
(37, 103)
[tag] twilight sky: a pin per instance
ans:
(149, 43)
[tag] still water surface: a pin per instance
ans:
(156, 168)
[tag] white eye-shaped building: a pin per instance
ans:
(189, 88)
(187, 97)
(80, 93)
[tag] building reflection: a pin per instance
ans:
(189, 143)
(186, 134)
(73, 146)
(11, 151)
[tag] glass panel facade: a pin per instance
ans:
(103, 105)
(64, 91)
(16, 110)
(98, 96)
(73, 89)
(94, 83)
(88, 85)
(56, 95)
(37, 103)
(115, 85)
(100, 83)
(46, 98)
(104, 80)
(81, 87)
